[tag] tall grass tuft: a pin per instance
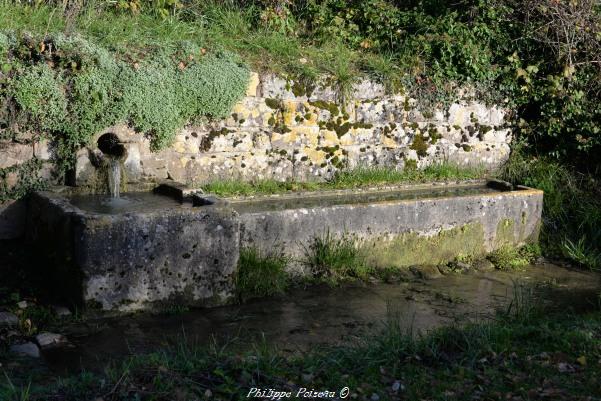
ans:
(260, 274)
(333, 258)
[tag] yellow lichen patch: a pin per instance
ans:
(309, 135)
(253, 84)
(289, 112)
(316, 156)
(276, 136)
(289, 137)
(240, 109)
(179, 147)
(184, 161)
(459, 117)
(329, 138)
(389, 142)
(348, 139)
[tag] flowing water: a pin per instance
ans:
(306, 318)
(114, 177)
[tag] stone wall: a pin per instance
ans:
(283, 131)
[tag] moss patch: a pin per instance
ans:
(412, 249)
(420, 145)
(505, 233)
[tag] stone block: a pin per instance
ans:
(12, 219)
(137, 260)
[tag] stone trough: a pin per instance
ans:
(176, 246)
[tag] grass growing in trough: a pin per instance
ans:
(347, 179)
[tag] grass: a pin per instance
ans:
(260, 275)
(355, 178)
(509, 257)
(531, 356)
(215, 25)
(333, 259)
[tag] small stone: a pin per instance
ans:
(396, 386)
(427, 272)
(61, 311)
(375, 397)
(48, 340)
(8, 319)
(208, 393)
(28, 349)
(484, 265)
(22, 304)
(462, 266)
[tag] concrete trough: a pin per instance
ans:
(398, 227)
(183, 248)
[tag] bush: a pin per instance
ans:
(572, 210)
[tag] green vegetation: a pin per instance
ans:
(332, 259)
(347, 179)
(26, 176)
(260, 275)
(512, 258)
(572, 207)
(524, 353)
(69, 88)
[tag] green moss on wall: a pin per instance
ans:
(420, 145)
(413, 249)
(505, 233)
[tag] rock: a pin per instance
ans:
(375, 397)
(28, 349)
(462, 266)
(484, 265)
(396, 386)
(22, 305)
(427, 272)
(8, 319)
(61, 311)
(499, 185)
(49, 340)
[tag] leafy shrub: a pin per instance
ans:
(571, 210)
(69, 89)
(27, 179)
(40, 95)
